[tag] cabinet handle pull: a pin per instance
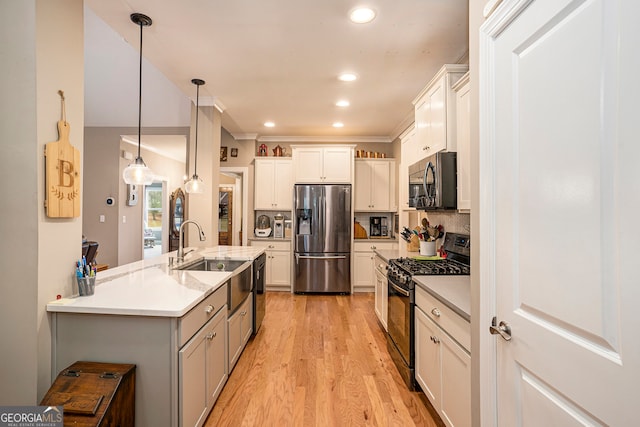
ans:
(208, 309)
(435, 312)
(211, 335)
(435, 340)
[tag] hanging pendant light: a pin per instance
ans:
(195, 185)
(137, 172)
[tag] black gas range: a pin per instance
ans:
(457, 262)
(401, 303)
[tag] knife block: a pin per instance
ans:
(414, 244)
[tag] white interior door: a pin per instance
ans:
(560, 193)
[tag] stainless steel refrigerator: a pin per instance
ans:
(322, 239)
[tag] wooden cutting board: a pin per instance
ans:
(62, 176)
(358, 231)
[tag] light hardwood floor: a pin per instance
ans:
(318, 360)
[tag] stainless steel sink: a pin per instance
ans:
(214, 265)
(238, 287)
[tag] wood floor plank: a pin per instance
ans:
(318, 360)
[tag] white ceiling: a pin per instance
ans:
(269, 60)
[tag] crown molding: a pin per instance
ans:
(244, 136)
(332, 139)
(404, 126)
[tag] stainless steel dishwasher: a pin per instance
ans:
(240, 286)
(259, 296)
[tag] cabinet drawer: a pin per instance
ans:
(272, 245)
(443, 316)
(191, 322)
(369, 246)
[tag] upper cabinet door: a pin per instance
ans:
(273, 184)
(373, 185)
(283, 184)
(307, 163)
(264, 179)
(463, 134)
(437, 128)
(323, 165)
(435, 113)
(337, 164)
(380, 185)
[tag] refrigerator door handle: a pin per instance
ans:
(319, 257)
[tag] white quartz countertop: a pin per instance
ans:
(452, 291)
(151, 288)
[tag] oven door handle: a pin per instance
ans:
(400, 290)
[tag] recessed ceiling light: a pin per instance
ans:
(269, 124)
(338, 125)
(342, 103)
(347, 77)
(362, 15)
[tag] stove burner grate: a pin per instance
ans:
(427, 268)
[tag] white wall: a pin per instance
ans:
(38, 254)
(19, 209)
(60, 65)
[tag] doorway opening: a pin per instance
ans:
(154, 219)
(236, 179)
(225, 216)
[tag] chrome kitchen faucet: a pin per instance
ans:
(180, 255)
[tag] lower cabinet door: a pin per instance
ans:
(246, 325)
(234, 336)
(239, 331)
(456, 384)
(216, 364)
(280, 268)
(427, 347)
(363, 270)
(381, 298)
(192, 390)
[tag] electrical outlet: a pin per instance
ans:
(102, 218)
(124, 219)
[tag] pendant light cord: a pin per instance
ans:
(140, 95)
(195, 157)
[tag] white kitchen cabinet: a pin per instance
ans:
(278, 264)
(273, 184)
(240, 327)
(443, 361)
(364, 279)
(381, 292)
(203, 371)
(435, 113)
(463, 133)
(322, 164)
(374, 185)
(408, 156)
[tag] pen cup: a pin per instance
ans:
(86, 285)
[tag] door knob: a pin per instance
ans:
(503, 329)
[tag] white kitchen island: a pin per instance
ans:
(170, 323)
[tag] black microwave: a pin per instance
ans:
(433, 182)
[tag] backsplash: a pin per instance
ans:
(451, 221)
